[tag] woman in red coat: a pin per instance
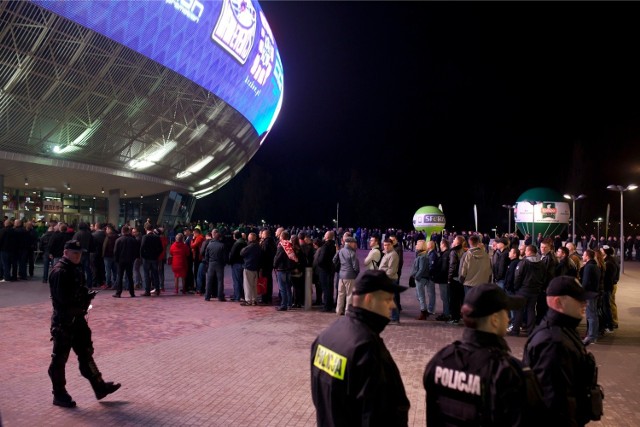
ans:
(179, 253)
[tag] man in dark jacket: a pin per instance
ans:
(529, 280)
(96, 257)
(69, 328)
(590, 279)
(236, 265)
(456, 289)
(125, 253)
(476, 381)
(83, 235)
(501, 261)
(251, 264)
(354, 379)
(566, 372)
(441, 277)
(150, 250)
(326, 269)
(216, 258)
(268, 246)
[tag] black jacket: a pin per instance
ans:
(557, 356)
(325, 256)
(501, 264)
(251, 256)
(477, 382)
(354, 380)
(530, 276)
(441, 274)
(126, 250)
(150, 246)
(68, 293)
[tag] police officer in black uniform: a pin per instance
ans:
(69, 330)
(566, 371)
(354, 380)
(476, 381)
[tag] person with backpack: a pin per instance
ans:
(372, 261)
(476, 380)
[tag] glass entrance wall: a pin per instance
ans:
(167, 209)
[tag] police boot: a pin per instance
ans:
(62, 398)
(423, 315)
(101, 388)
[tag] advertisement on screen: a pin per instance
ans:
(225, 46)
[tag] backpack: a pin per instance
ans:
(376, 264)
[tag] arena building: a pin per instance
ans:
(116, 111)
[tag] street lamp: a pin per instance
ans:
(573, 214)
(599, 220)
(510, 207)
(622, 189)
(533, 204)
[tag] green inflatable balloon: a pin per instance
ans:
(429, 219)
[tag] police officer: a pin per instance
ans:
(69, 329)
(476, 381)
(566, 372)
(354, 380)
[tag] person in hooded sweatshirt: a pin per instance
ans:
(475, 267)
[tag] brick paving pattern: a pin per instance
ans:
(186, 362)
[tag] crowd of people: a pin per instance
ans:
(495, 287)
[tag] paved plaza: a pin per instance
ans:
(186, 362)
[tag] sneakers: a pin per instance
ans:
(443, 318)
(587, 341)
(394, 322)
(102, 389)
(64, 400)
(608, 331)
(454, 321)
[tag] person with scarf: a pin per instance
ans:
(283, 263)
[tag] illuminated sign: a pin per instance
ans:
(225, 46)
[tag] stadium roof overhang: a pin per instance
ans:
(81, 110)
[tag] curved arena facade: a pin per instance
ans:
(115, 110)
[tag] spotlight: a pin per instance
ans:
(102, 190)
(26, 182)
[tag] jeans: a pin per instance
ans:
(431, 295)
(215, 273)
(111, 270)
(500, 283)
(420, 285)
(284, 284)
(592, 319)
(201, 280)
(444, 297)
(236, 275)
(150, 269)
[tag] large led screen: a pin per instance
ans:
(226, 46)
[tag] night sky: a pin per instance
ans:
(390, 106)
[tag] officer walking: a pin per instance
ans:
(69, 328)
(476, 381)
(567, 372)
(354, 379)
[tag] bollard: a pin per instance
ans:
(308, 279)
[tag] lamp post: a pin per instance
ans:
(599, 220)
(573, 214)
(621, 189)
(510, 208)
(533, 204)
